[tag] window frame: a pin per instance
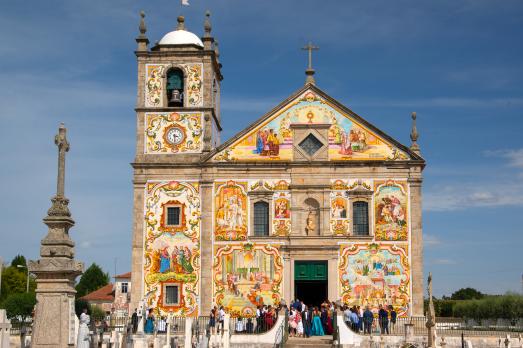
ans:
(267, 223)
(124, 285)
(354, 233)
(164, 227)
(162, 302)
(166, 80)
(361, 193)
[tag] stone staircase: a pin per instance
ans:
(311, 342)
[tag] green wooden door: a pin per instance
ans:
(310, 270)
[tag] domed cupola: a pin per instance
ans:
(180, 36)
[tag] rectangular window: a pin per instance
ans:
(261, 219)
(171, 295)
(173, 216)
(360, 218)
(125, 288)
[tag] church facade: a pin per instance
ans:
(310, 201)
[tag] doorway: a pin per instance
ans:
(310, 282)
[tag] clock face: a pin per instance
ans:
(175, 136)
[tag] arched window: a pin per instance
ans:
(261, 219)
(175, 87)
(360, 215)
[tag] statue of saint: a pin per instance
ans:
(311, 225)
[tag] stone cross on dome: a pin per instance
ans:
(310, 71)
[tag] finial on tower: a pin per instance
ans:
(181, 23)
(142, 40)
(216, 49)
(207, 24)
(310, 71)
(414, 135)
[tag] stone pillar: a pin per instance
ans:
(287, 278)
(56, 270)
(206, 280)
(332, 265)
(5, 329)
(417, 246)
(137, 245)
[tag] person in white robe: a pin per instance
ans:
(83, 330)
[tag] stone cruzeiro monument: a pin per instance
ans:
(56, 270)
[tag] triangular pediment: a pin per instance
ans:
(350, 137)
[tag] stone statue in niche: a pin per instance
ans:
(311, 224)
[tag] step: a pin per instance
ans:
(314, 341)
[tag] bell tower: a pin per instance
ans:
(178, 100)
(177, 123)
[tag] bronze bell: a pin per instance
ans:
(176, 96)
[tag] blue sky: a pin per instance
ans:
(457, 63)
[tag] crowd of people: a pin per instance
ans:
(303, 320)
(360, 320)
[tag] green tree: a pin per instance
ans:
(467, 294)
(13, 281)
(19, 260)
(19, 306)
(92, 279)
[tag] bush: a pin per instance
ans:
(20, 306)
(509, 306)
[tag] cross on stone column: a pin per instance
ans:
(310, 71)
(63, 146)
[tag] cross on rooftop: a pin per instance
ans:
(310, 47)
(310, 71)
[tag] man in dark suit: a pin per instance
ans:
(306, 317)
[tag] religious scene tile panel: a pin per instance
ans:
(390, 210)
(230, 210)
(173, 132)
(273, 139)
(375, 274)
(172, 250)
(245, 276)
(339, 207)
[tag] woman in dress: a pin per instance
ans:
(83, 330)
(328, 322)
(149, 323)
(269, 319)
(299, 324)
(212, 321)
(292, 322)
(317, 329)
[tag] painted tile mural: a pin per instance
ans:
(246, 276)
(172, 251)
(281, 222)
(375, 274)
(390, 210)
(173, 132)
(339, 208)
(230, 210)
(272, 140)
(155, 84)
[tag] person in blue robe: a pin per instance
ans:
(317, 327)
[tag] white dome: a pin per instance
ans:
(181, 37)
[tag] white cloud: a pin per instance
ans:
(443, 262)
(430, 239)
(506, 191)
